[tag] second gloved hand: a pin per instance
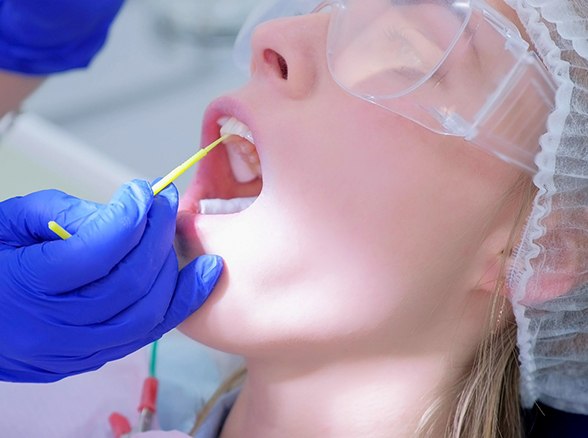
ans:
(70, 306)
(42, 37)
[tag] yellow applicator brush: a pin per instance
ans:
(178, 171)
(59, 230)
(159, 185)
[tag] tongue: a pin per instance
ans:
(225, 206)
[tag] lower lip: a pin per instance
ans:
(187, 240)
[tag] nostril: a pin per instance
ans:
(283, 67)
(277, 61)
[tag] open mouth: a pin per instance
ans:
(231, 179)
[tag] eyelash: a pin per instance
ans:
(438, 75)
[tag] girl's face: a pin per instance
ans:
(367, 225)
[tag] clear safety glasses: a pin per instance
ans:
(456, 67)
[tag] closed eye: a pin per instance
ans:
(415, 75)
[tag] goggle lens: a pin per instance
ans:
(387, 48)
(455, 67)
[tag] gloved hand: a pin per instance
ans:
(48, 36)
(69, 306)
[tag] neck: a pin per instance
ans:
(373, 397)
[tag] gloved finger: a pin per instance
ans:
(93, 251)
(23, 220)
(131, 325)
(88, 347)
(133, 277)
(195, 284)
(157, 313)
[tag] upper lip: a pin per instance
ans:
(225, 106)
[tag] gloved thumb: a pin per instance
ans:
(196, 282)
(98, 245)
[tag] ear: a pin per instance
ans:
(494, 258)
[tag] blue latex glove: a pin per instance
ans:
(48, 36)
(69, 306)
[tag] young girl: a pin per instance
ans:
(371, 283)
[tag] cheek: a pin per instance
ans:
(376, 183)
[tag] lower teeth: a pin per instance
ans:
(224, 206)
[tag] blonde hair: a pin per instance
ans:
(485, 403)
(488, 405)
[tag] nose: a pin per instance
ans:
(290, 53)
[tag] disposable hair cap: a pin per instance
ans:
(549, 277)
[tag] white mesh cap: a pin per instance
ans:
(549, 279)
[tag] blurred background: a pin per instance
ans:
(136, 112)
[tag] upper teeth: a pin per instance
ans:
(241, 149)
(232, 126)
